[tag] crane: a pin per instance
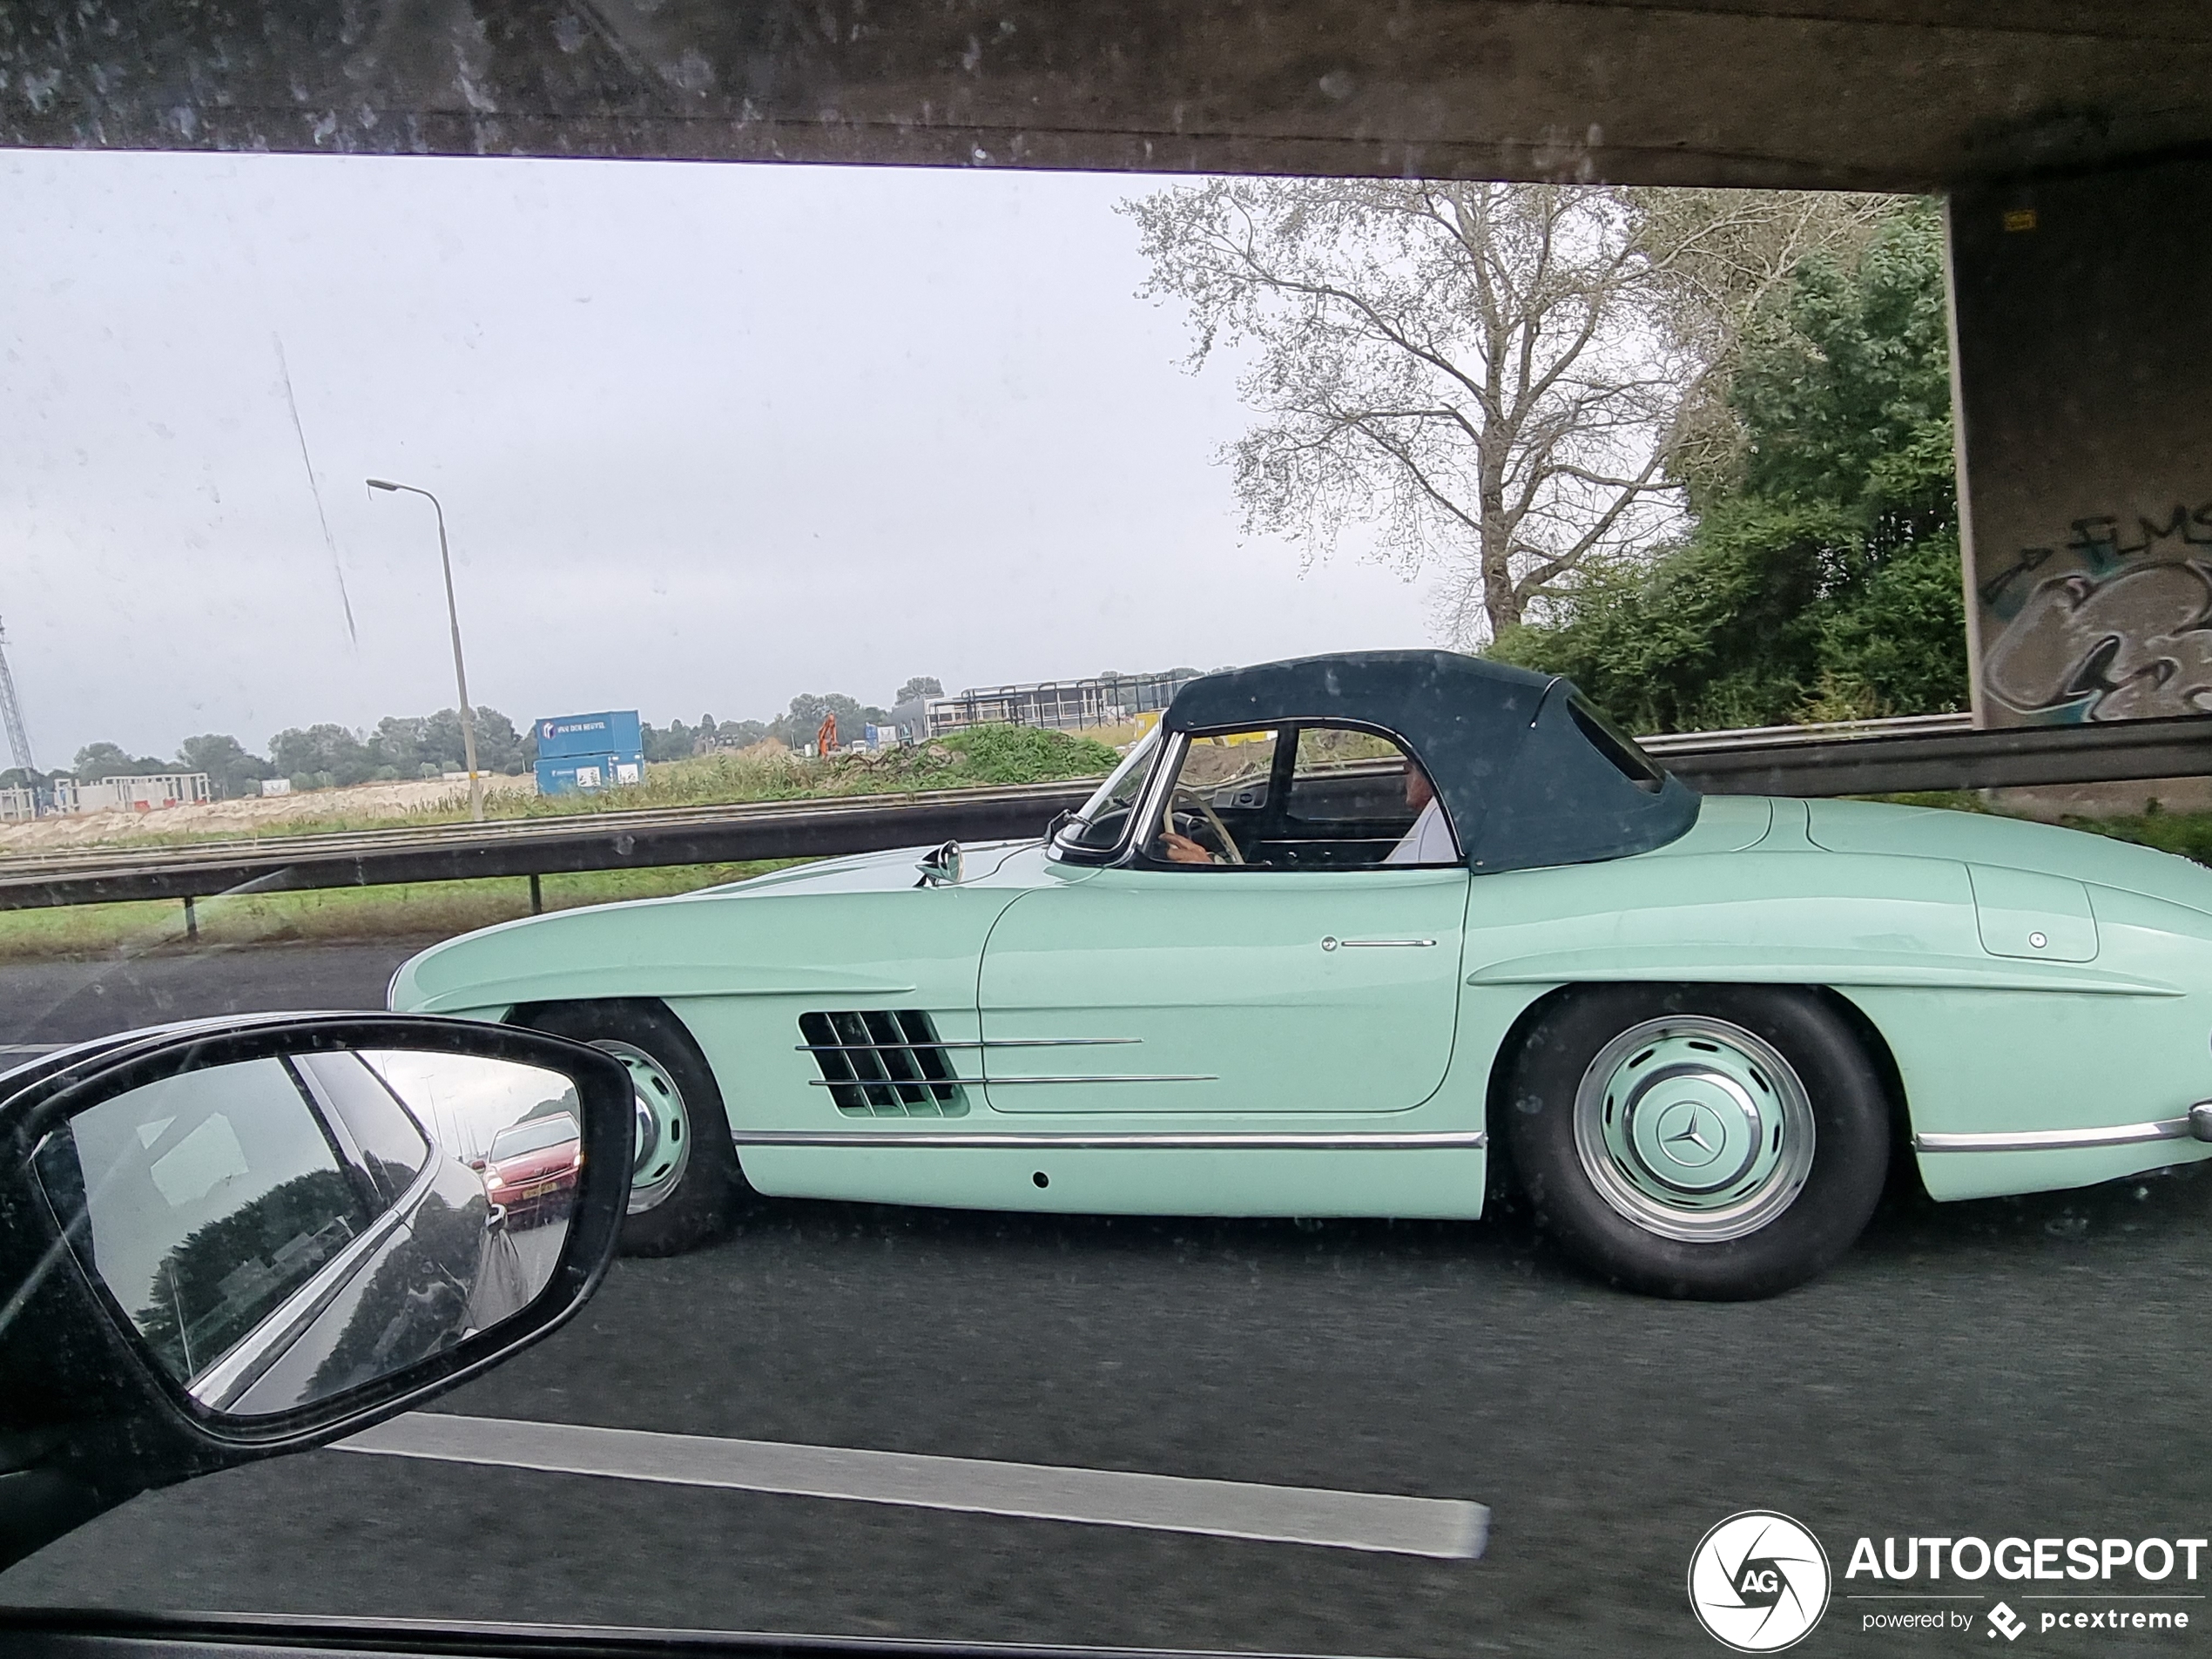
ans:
(11, 713)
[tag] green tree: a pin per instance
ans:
(323, 757)
(1822, 577)
(231, 770)
(1493, 378)
(920, 685)
(674, 741)
(97, 760)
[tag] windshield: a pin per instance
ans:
(1100, 823)
(533, 1138)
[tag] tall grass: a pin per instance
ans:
(978, 758)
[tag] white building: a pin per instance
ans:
(132, 794)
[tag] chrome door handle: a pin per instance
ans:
(1334, 943)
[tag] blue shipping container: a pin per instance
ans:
(615, 732)
(589, 751)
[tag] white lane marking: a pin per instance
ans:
(1446, 1527)
(34, 1048)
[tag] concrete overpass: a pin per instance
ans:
(2074, 142)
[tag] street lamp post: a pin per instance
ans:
(459, 673)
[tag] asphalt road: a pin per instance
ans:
(2030, 1367)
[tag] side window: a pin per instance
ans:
(1220, 805)
(1345, 775)
(1300, 798)
(1357, 797)
(202, 1201)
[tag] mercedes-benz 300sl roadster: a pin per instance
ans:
(1387, 934)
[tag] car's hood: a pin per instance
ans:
(2009, 843)
(983, 861)
(868, 921)
(528, 1166)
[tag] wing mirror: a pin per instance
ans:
(941, 866)
(237, 1239)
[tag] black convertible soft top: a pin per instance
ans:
(1530, 774)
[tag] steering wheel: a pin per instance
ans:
(1213, 821)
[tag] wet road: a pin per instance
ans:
(2020, 1367)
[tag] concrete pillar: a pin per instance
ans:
(2081, 309)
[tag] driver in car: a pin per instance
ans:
(1428, 841)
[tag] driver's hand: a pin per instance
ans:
(1181, 849)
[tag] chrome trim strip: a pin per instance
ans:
(2053, 1140)
(892, 1083)
(987, 1042)
(1323, 1141)
(1377, 944)
(950, 1082)
(1124, 1077)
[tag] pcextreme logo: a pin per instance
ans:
(1758, 1582)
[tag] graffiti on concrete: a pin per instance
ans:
(2120, 630)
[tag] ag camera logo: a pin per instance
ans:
(1758, 1582)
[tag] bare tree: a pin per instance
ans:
(1496, 377)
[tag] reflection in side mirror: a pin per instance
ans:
(285, 1228)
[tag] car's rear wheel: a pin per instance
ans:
(1711, 1141)
(686, 1187)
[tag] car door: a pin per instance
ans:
(1159, 988)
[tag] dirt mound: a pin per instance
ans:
(254, 815)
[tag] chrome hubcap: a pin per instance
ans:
(663, 1141)
(1694, 1128)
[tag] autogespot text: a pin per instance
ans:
(2150, 1561)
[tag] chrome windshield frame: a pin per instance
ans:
(1146, 752)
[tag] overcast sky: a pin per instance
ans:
(707, 436)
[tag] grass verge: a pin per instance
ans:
(423, 910)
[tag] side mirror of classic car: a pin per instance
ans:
(940, 868)
(237, 1238)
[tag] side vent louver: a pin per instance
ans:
(884, 1063)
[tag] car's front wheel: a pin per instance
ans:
(685, 1185)
(1710, 1140)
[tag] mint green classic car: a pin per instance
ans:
(1382, 935)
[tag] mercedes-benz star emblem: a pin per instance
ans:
(1692, 1133)
(1758, 1582)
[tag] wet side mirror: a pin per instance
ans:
(244, 1237)
(940, 867)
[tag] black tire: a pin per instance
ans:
(1604, 1192)
(707, 1190)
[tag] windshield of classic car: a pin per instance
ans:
(1100, 823)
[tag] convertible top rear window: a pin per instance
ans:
(1616, 745)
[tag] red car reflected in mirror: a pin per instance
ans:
(531, 1167)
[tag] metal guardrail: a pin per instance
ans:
(1897, 761)
(1936, 751)
(549, 846)
(1781, 736)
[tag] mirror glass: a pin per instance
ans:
(285, 1229)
